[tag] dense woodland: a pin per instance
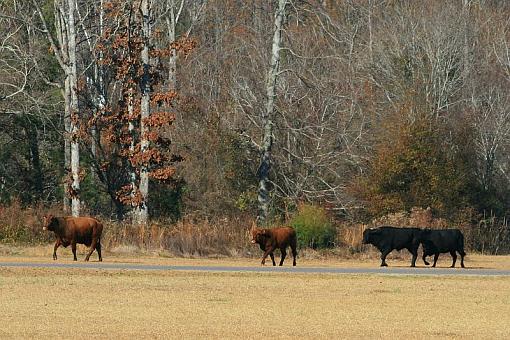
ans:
(147, 110)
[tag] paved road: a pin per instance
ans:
(270, 269)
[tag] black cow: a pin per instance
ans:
(387, 239)
(442, 241)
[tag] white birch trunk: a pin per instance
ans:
(142, 210)
(99, 77)
(63, 53)
(267, 115)
(132, 173)
(73, 111)
(67, 143)
(174, 14)
(172, 61)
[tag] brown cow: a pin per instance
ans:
(270, 239)
(72, 230)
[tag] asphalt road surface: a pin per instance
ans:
(267, 269)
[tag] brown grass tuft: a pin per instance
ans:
(184, 238)
(23, 225)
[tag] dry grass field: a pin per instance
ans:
(77, 303)
(90, 303)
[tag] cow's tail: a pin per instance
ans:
(293, 244)
(99, 230)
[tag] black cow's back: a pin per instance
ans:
(442, 241)
(394, 238)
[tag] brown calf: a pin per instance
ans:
(72, 230)
(271, 239)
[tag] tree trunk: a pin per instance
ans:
(65, 53)
(142, 210)
(172, 60)
(132, 172)
(67, 145)
(174, 14)
(99, 78)
(267, 116)
(63, 38)
(73, 111)
(119, 208)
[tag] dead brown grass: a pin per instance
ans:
(198, 236)
(186, 237)
(75, 303)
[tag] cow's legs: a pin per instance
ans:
(294, 253)
(425, 259)
(267, 252)
(57, 244)
(91, 250)
(453, 253)
(384, 253)
(73, 248)
(284, 254)
(436, 256)
(462, 254)
(98, 248)
(272, 258)
(414, 252)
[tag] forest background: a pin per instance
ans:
(154, 116)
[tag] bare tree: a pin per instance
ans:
(71, 92)
(267, 114)
(490, 102)
(64, 49)
(142, 211)
(184, 13)
(320, 127)
(421, 56)
(15, 65)
(492, 123)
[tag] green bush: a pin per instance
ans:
(314, 228)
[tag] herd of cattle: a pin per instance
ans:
(88, 230)
(433, 242)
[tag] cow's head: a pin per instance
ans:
(368, 235)
(49, 222)
(258, 235)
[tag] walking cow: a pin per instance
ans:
(435, 242)
(72, 230)
(277, 238)
(387, 238)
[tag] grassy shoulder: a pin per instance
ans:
(78, 303)
(306, 258)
